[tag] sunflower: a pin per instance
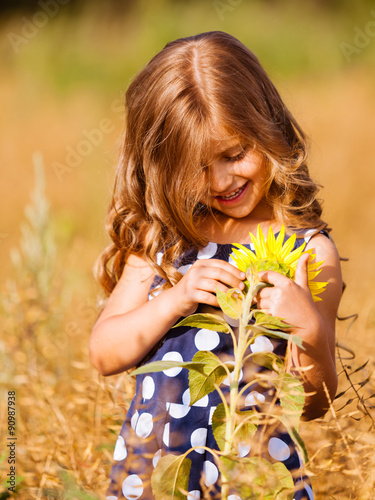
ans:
(275, 255)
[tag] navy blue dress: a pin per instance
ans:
(161, 421)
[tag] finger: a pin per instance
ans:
(211, 286)
(225, 266)
(302, 275)
(272, 277)
(207, 298)
(223, 276)
(264, 305)
(265, 293)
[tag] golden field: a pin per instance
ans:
(61, 95)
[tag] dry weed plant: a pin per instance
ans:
(343, 463)
(65, 421)
(68, 417)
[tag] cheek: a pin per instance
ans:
(255, 169)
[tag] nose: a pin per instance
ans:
(221, 177)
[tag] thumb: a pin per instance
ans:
(302, 276)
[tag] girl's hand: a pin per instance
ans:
(290, 300)
(199, 284)
(314, 322)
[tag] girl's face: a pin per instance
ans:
(237, 179)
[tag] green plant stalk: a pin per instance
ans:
(242, 344)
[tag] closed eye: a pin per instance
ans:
(237, 157)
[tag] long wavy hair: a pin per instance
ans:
(193, 87)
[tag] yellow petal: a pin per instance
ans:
(287, 248)
(259, 244)
(280, 240)
(313, 274)
(271, 242)
(295, 255)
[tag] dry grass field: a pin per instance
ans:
(58, 108)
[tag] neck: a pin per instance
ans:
(220, 228)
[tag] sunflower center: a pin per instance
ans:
(275, 265)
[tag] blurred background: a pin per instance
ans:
(65, 65)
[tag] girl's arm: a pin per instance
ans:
(130, 325)
(314, 321)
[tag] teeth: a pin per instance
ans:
(235, 193)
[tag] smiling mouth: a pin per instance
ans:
(232, 196)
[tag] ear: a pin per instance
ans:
(302, 276)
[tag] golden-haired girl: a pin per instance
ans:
(210, 152)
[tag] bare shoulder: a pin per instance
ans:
(326, 253)
(137, 269)
(131, 291)
(325, 250)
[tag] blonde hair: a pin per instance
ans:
(189, 89)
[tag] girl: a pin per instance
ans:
(210, 151)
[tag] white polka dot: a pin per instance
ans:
(309, 491)
(203, 402)
(172, 356)
(134, 420)
(144, 425)
(243, 449)
(111, 498)
(148, 387)
(261, 344)
(156, 458)
(120, 452)
(166, 434)
(234, 497)
(208, 251)
(194, 495)
(254, 398)
(212, 410)
(132, 487)
(184, 269)
(229, 379)
(159, 257)
(278, 449)
(178, 411)
(206, 340)
(210, 472)
(199, 438)
(232, 261)
(156, 291)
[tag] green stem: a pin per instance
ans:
(239, 353)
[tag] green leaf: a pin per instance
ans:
(208, 321)
(278, 335)
(170, 478)
(247, 429)
(299, 442)
(285, 479)
(243, 434)
(219, 425)
(292, 398)
(258, 479)
(230, 302)
(269, 360)
(270, 322)
(213, 372)
(160, 366)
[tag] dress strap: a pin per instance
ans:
(312, 232)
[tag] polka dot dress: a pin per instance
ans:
(160, 419)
